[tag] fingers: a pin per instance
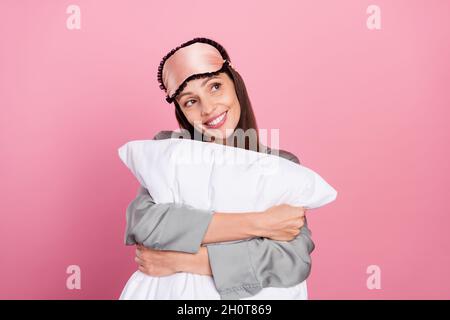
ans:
(143, 270)
(139, 257)
(139, 261)
(300, 211)
(300, 214)
(299, 223)
(292, 234)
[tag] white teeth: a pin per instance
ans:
(216, 121)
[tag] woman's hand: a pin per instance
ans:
(159, 263)
(156, 263)
(282, 222)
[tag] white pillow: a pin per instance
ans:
(211, 176)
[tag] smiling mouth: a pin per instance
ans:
(218, 121)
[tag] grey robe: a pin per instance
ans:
(240, 268)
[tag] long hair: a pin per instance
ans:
(247, 118)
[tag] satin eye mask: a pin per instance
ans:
(186, 62)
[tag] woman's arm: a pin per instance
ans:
(176, 227)
(179, 227)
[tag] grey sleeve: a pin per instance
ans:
(165, 226)
(244, 268)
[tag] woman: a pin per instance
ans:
(245, 252)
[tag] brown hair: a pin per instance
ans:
(247, 119)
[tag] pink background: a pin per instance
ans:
(367, 109)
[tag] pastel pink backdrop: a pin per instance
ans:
(367, 109)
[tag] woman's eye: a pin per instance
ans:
(187, 103)
(217, 84)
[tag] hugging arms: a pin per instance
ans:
(244, 252)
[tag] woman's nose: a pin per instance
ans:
(207, 112)
(207, 108)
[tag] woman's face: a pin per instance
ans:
(211, 106)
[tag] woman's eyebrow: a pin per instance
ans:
(203, 84)
(210, 78)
